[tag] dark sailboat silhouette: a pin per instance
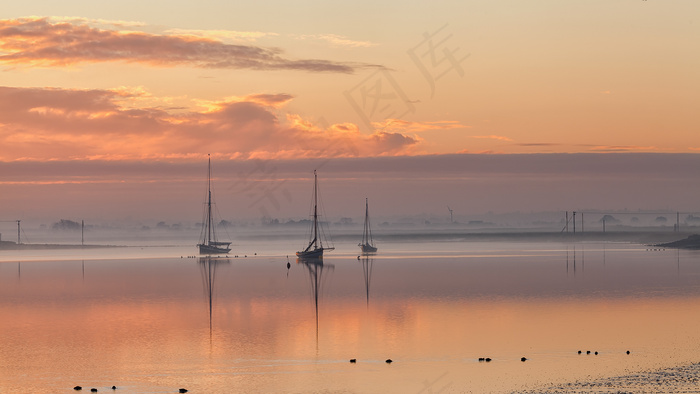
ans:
(315, 247)
(209, 243)
(367, 244)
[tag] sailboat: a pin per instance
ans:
(315, 248)
(367, 245)
(209, 243)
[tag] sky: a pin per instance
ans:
(108, 110)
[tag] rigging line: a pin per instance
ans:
(566, 224)
(217, 213)
(25, 235)
(325, 230)
(311, 214)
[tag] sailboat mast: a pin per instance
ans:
(368, 235)
(208, 240)
(316, 241)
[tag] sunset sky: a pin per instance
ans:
(109, 109)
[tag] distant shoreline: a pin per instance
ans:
(692, 242)
(8, 245)
(640, 237)
(684, 240)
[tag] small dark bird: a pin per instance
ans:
(596, 353)
(579, 352)
(77, 388)
(523, 359)
(288, 265)
(352, 360)
(487, 359)
(588, 352)
(183, 390)
(481, 359)
(94, 390)
(114, 387)
(389, 361)
(628, 352)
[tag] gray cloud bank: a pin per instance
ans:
(408, 185)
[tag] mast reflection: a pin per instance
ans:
(207, 267)
(367, 270)
(315, 268)
(582, 259)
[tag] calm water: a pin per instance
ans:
(152, 320)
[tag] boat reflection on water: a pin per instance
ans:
(207, 267)
(316, 268)
(571, 258)
(367, 270)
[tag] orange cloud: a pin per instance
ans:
(269, 100)
(623, 148)
(493, 137)
(415, 127)
(222, 34)
(64, 124)
(336, 40)
(41, 42)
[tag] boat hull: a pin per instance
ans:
(367, 248)
(310, 254)
(211, 249)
